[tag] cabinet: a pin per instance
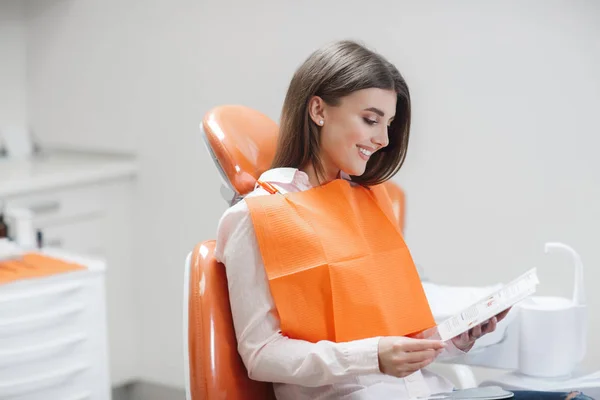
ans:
(82, 203)
(53, 342)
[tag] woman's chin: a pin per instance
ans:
(355, 171)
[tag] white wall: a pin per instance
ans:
(13, 67)
(502, 155)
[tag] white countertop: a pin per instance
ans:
(61, 168)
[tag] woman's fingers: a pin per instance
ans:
(401, 356)
(476, 332)
(419, 356)
(490, 326)
(502, 315)
(466, 340)
(462, 340)
(419, 345)
(414, 367)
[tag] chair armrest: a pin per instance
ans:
(460, 375)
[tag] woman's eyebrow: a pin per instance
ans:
(376, 111)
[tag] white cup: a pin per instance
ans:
(550, 344)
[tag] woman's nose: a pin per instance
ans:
(382, 139)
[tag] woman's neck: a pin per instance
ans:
(316, 180)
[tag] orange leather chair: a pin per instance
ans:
(242, 143)
(397, 196)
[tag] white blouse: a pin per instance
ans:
(300, 369)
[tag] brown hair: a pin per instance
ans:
(331, 73)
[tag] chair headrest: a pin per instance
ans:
(242, 142)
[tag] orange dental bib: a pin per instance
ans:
(337, 265)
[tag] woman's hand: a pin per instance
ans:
(402, 356)
(465, 341)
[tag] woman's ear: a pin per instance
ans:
(316, 110)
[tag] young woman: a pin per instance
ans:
(325, 297)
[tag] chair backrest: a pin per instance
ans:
(398, 202)
(242, 143)
(215, 369)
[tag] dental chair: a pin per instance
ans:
(242, 143)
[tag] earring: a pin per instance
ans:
(321, 122)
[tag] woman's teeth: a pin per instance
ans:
(365, 152)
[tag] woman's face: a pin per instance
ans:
(354, 129)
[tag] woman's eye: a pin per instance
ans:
(370, 121)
